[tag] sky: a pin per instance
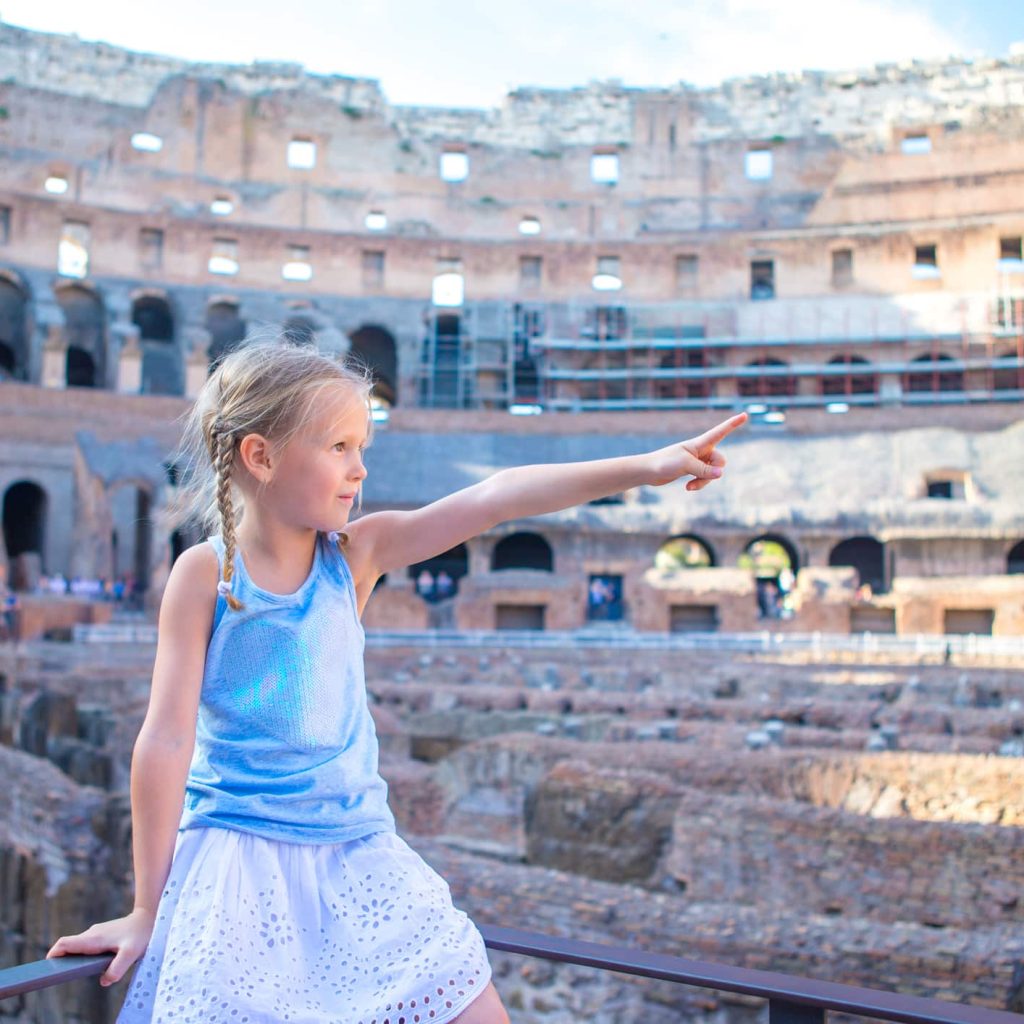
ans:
(471, 54)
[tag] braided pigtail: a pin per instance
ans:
(223, 459)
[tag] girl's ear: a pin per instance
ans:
(255, 454)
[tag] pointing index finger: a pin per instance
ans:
(715, 434)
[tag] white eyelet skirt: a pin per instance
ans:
(257, 931)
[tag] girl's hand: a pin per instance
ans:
(696, 456)
(128, 937)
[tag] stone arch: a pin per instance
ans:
(934, 378)
(374, 348)
(161, 360)
(454, 562)
(685, 551)
(86, 334)
(131, 539)
(866, 555)
(855, 381)
(299, 330)
(227, 328)
(25, 510)
(774, 562)
(766, 387)
(768, 554)
(1015, 559)
(523, 550)
(14, 335)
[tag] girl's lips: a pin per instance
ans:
(347, 497)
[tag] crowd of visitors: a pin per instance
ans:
(434, 588)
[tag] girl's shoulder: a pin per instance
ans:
(197, 570)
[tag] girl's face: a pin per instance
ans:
(320, 470)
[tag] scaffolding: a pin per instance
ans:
(691, 355)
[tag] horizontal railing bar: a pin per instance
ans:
(766, 984)
(45, 973)
(722, 977)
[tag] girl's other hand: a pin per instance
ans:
(696, 457)
(127, 937)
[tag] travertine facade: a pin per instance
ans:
(795, 245)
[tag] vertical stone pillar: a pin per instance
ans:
(129, 361)
(479, 550)
(890, 388)
(55, 357)
(197, 361)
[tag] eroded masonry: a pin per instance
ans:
(575, 274)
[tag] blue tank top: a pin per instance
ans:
(285, 744)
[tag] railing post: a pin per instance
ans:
(782, 1012)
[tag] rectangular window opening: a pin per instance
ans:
(73, 251)
(916, 144)
(454, 165)
(5, 225)
(224, 256)
(758, 164)
(926, 263)
(608, 277)
(373, 268)
(519, 616)
(604, 168)
(1011, 256)
(302, 154)
(762, 279)
(687, 271)
(298, 267)
(842, 267)
(151, 248)
(530, 270)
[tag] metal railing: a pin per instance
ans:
(919, 644)
(791, 999)
(620, 635)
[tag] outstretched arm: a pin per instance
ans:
(397, 539)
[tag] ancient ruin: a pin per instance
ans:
(576, 274)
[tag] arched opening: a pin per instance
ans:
(1015, 559)
(522, 551)
(24, 525)
(374, 348)
(684, 552)
(85, 330)
(227, 330)
(854, 382)
(767, 385)
(131, 539)
(299, 330)
(935, 378)
(774, 563)
(161, 365)
(867, 556)
(152, 315)
(1008, 378)
(438, 578)
(13, 341)
(79, 368)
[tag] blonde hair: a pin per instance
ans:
(266, 387)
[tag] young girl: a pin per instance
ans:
(270, 883)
